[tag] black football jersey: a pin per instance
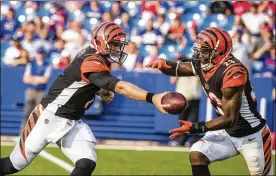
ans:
(232, 73)
(72, 93)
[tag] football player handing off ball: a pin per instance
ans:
(57, 118)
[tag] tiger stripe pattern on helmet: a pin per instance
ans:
(104, 33)
(216, 39)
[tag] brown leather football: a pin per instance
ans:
(174, 103)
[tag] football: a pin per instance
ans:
(174, 103)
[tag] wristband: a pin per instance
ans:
(198, 128)
(149, 97)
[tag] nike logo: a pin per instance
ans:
(235, 77)
(251, 139)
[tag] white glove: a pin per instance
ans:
(106, 95)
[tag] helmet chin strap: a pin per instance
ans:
(207, 67)
(210, 65)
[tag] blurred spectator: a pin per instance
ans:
(254, 27)
(36, 76)
(153, 55)
(193, 30)
(149, 9)
(134, 59)
(240, 7)
(270, 25)
(176, 31)
(116, 10)
(162, 25)
(32, 4)
(223, 7)
(41, 28)
(267, 7)
(4, 9)
(126, 24)
(16, 54)
(30, 28)
(55, 52)
(73, 6)
(30, 44)
(240, 26)
(171, 6)
(31, 9)
(264, 64)
(74, 37)
(241, 51)
(107, 17)
(190, 88)
(63, 61)
(32, 41)
(57, 22)
(150, 35)
(93, 10)
(9, 24)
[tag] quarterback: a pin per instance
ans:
(239, 128)
(57, 118)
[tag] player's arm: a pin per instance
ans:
(172, 68)
(231, 104)
(232, 89)
(108, 82)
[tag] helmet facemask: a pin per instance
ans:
(202, 57)
(116, 51)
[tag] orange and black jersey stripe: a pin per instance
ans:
(233, 73)
(74, 90)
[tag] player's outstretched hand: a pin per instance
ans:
(185, 127)
(159, 63)
(106, 95)
(156, 100)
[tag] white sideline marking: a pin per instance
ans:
(48, 156)
(119, 147)
(57, 161)
(143, 148)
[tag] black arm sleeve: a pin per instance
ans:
(103, 80)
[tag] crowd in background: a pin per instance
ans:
(63, 28)
(46, 35)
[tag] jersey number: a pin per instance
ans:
(228, 62)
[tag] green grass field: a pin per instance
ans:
(126, 162)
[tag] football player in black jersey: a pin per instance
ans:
(239, 128)
(57, 118)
